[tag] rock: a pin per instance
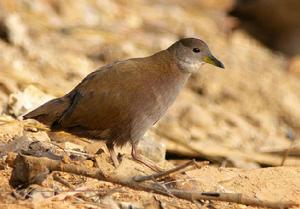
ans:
(17, 31)
(87, 163)
(20, 143)
(36, 144)
(9, 129)
(37, 193)
(22, 102)
(73, 146)
(40, 136)
(41, 149)
(151, 148)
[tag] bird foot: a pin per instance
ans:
(147, 162)
(113, 156)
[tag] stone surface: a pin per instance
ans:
(21, 102)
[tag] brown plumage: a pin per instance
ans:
(120, 101)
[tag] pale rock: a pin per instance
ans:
(38, 193)
(41, 136)
(73, 146)
(10, 129)
(24, 101)
(18, 144)
(152, 148)
(17, 30)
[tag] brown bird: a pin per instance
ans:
(120, 101)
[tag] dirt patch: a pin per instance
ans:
(246, 116)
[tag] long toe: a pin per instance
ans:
(147, 163)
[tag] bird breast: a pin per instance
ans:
(155, 95)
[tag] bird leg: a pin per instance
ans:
(111, 149)
(138, 157)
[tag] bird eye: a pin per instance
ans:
(196, 50)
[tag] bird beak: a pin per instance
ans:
(214, 61)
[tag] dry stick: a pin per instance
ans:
(164, 173)
(57, 178)
(162, 186)
(55, 165)
(230, 197)
(287, 152)
(170, 171)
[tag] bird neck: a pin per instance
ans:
(166, 73)
(169, 65)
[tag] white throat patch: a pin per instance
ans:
(190, 67)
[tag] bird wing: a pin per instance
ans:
(51, 111)
(101, 100)
(97, 102)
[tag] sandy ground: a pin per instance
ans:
(242, 119)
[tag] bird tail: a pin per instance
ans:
(51, 111)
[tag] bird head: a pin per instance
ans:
(191, 53)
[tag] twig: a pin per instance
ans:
(27, 162)
(79, 153)
(162, 186)
(231, 197)
(164, 173)
(57, 178)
